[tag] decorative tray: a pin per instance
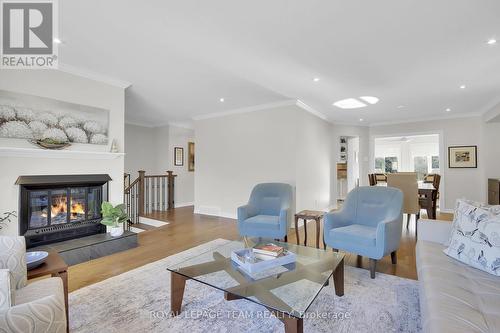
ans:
(244, 259)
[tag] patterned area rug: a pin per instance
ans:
(139, 301)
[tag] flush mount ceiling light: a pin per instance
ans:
(463, 86)
(491, 41)
(57, 41)
(401, 106)
(316, 79)
(361, 119)
(370, 99)
(349, 103)
(448, 110)
(354, 103)
(221, 99)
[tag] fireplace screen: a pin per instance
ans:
(64, 205)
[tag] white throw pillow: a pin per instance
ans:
(475, 236)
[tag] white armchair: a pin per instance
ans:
(36, 307)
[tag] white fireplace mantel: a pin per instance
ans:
(47, 153)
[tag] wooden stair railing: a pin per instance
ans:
(148, 193)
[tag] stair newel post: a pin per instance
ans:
(141, 192)
(170, 186)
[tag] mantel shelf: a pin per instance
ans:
(46, 153)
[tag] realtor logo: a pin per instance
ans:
(28, 34)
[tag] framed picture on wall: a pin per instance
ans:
(190, 156)
(178, 156)
(462, 157)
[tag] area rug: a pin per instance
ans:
(139, 301)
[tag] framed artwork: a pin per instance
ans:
(462, 157)
(24, 116)
(190, 156)
(178, 156)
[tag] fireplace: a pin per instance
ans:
(58, 208)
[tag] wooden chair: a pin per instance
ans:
(436, 181)
(380, 177)
(408, 184)
(371, 179)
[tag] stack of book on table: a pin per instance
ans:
(262, 257)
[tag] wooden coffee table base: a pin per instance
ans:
(292, 324)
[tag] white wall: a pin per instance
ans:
(235, 152)
(139, 141)
(152, 149)
(69, 88)
(457, 183)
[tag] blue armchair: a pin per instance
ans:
(369, 224)
(267, 213)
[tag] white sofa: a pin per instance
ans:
(35, 307)
(453, 297)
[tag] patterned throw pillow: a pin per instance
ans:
(475, 236)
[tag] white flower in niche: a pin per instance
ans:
(99, 139)
(55, 134)
(76, 134)
(15, 129)
(38, 128)
(7, 112)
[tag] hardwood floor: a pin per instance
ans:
(187, 230)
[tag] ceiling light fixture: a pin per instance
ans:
(349, 103)
(316, 79)
(57, 41)
(462, 86)
(361, 119)
(448, 110)
(370, 99)
(221, 99)
(401, 106)
(491, 41)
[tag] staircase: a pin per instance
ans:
(148, 193)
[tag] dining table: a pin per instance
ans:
(427, 197)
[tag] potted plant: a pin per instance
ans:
(113, 217)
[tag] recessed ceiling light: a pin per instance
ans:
(491, 41)
(448, 110)
(462, 86)
(57, 41)
(361, 119)
(401, 106)
(370, 99)
(349, 103)
(316, 79)
(221, 99)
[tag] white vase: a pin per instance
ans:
(116, 231)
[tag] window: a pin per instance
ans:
(420, 166)
(391, 164)
(435, 162)
(379, 164)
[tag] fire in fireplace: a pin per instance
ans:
(57, 208)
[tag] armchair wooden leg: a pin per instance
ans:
(394, 258)
(373, 267)
(335, 250)
(286, 239)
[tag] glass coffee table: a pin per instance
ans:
(286, 291)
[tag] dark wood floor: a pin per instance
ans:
(187, 230)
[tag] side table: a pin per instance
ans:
(54, 266)
(309, 215)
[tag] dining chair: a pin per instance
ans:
(371, 179)
(436, 182)
(380, 177)
(407, 182)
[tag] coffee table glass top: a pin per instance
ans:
(289, 289)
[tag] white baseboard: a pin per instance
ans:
(152, 222)
(449, 211)
(214, 211)
(183, 204)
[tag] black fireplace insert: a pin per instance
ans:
(58, 208)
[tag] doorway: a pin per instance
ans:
(347, 166)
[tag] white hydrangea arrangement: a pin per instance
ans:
(50, 126)
(93, 127)
(67, 122)
(7, 113)
(37, 127)
(25, 114)
(55, 135)
(15, 129)
(76, 134)
(98, 139)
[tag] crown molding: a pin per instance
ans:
(419, 120)
(312, 111)
(138, 123)
(181, 124)
(93, 76)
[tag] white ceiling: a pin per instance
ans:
(182, 56)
